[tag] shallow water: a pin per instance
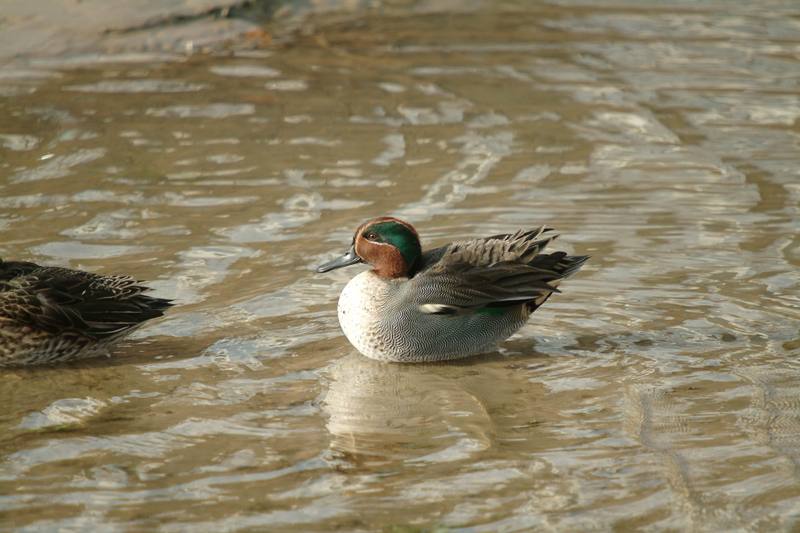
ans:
(660, 390)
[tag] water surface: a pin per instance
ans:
(658, 391)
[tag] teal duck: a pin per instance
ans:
(447, 303)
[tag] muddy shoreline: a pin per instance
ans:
(30, 33)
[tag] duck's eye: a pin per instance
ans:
(371, 236)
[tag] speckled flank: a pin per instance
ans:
(379, 323)
(22, 346)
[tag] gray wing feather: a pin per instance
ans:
(504, 269)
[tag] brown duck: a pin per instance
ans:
(54, 314)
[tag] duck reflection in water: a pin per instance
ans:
(428, 413)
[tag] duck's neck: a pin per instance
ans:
(390, 264)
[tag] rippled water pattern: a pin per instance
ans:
(659, 391)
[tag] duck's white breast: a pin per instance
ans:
(361, 309)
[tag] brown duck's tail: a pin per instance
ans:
(113, 318)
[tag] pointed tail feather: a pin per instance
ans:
(563, 266)
(570, 264)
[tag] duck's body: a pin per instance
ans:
(54, 314)
(381, 318)
(451, 302)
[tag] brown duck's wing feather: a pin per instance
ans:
(60, 299)
(9, 270)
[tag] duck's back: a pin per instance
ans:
(53, 314)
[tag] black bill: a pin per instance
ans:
(349, 258)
